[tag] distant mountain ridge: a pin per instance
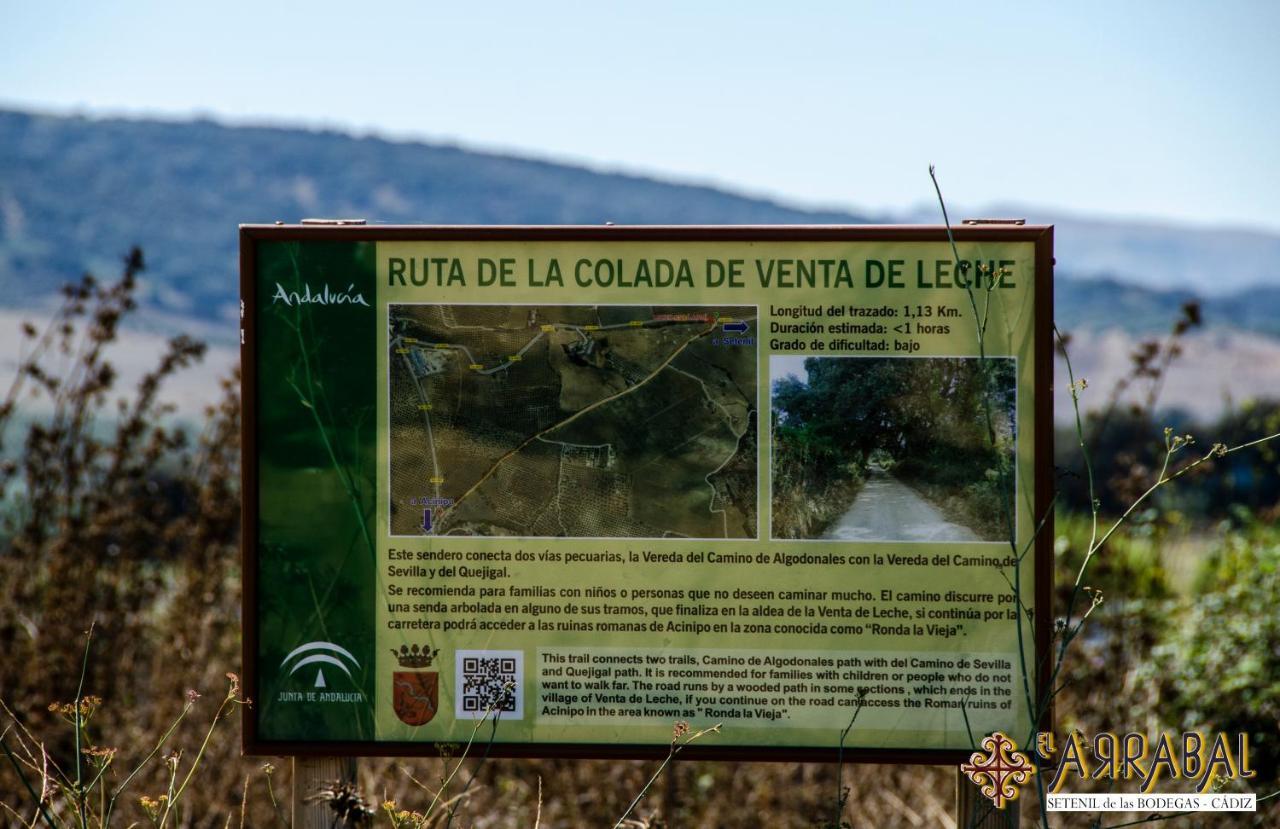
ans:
(1208, 261)
(76, 192)
(1101, 303)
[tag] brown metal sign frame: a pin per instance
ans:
(1041, 236)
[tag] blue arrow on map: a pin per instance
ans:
(736, 327)
(426, 520)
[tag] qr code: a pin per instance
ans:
(489, 683)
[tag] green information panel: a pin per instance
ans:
(575, 485)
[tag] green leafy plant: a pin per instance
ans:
(1177, 460)
(1219, 669)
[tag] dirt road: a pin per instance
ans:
(888, 510)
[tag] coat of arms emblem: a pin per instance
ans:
(415, 694)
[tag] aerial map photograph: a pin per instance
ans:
(578, 421)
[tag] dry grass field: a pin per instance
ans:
(115, 521)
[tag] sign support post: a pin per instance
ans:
(310, 775)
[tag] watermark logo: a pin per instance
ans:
(1192, 756)
(1000, 770)
(1205, 762)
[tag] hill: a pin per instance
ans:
(1210, 261)
(1204, 260)
(76, 192)
(1102, 303)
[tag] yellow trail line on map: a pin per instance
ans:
(494, 468)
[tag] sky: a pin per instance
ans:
(783, 365)
(1166, 110)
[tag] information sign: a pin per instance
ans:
(575, 485)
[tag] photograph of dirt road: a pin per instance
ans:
(893, 449)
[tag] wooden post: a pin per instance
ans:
(311, 774)
(974, 811)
